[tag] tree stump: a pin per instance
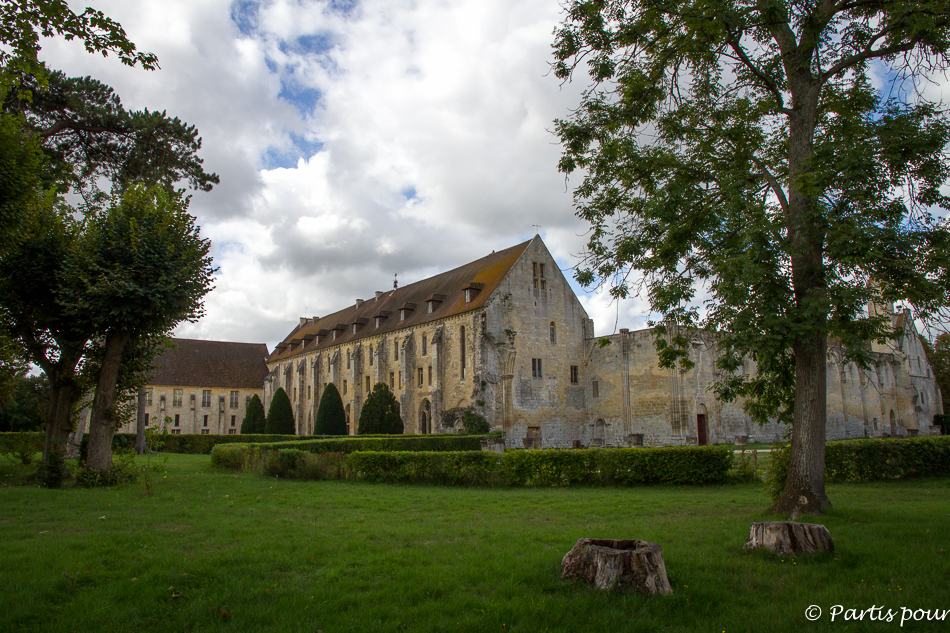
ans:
(611, 564)
(790, 538)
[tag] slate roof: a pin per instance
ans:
(221, 364)
(481, 276)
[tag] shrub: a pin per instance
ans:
(254, 419)
(475, 424)
(280, 415)
(466, 468)
(870, 460)
(21, 446)
(122, 471)
(380, 414)
(331, 417)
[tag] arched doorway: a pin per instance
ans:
(425, 418)
(600, 432)
(701, 425)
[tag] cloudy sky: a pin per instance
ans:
(355, 140)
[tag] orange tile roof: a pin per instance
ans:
(482, 275)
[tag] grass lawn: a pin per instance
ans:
(213, 550)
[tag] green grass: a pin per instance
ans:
(214, 550)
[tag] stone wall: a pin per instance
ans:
(219, 418)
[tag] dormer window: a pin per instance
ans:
(380, 317)
(402, 314)
(433, 303)
(333, 337)
(472, 290)
(406, 310)
(378, 321)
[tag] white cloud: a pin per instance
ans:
(355, 141)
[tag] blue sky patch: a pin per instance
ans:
(245, 14)
(304, 98)
(409, 193)
(286, 158)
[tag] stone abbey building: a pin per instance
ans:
(506, 337)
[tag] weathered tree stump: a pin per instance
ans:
(611, 564)
(790, 538)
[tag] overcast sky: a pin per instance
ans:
(355, 140)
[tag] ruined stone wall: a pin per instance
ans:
(515, 334)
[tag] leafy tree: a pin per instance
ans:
(143, 268)
(380, 413)
(280, 415)
(475, 424)
(331, 417)
(938, 354)
(741, 147)
(254, 419)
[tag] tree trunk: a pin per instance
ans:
(102, 422)
(805, 486)
(58, 424)
(140, 423)
(611, 564)
(789, 538)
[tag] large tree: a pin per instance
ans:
(143, 268)
(740, 148)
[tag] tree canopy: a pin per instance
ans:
(280, 415)
(741, 149)
(254, 419)
(331, 416)
(380, 413)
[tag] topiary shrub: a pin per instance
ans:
(280, 415)
(254, 420)
(380, 414)
(331, 418)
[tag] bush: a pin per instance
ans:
(465, 468)
(21, 446)
(122, 471)
(254, 420)
(280, 415)
(871, 460)
(331, 417)
(475, 424)
(380, 413)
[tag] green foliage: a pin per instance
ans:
(21, 446)
(383, 443)
(938, 354)
(475, 424)
(26, 408)
(331, 416)
(54, 470)
(872, 460)
(469, 468)
(280, 415)
(21, 169)
(123, 470)
(792, 219)
(254, 419)
(380, 413)
(24, 22)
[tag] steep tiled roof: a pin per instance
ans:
(447, 289)
(212, 364)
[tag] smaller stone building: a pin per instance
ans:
(203, 387)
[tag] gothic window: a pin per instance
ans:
(553, 332)
(349, 360)
(425, 343)
(308, 392)
(392, 380)
(371, 355)
(536, 368)
(396, 349)
(421, 377)
(400, 379)
(367, 384)
(462, 349)
(430, 375)
(595, 389)
(344, 387)
(573, 374)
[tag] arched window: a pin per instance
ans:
(553, 329)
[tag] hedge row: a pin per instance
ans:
(624, 467)
(15, 442)
(384, 443)
(192, 444)
(871, 460)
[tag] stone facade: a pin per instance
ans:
(506, 337)
(202, 387)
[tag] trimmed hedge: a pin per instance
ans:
(871, 460)
(192, 444)
(593, 467)
(21, 443)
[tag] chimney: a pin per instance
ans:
(379, 293)
(359, 302)
(303, 321)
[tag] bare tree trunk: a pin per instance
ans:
(102, 421)
(805, 486)
(58, 424)
(140, 423)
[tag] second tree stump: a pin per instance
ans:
(612, 563)
(790, 538)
